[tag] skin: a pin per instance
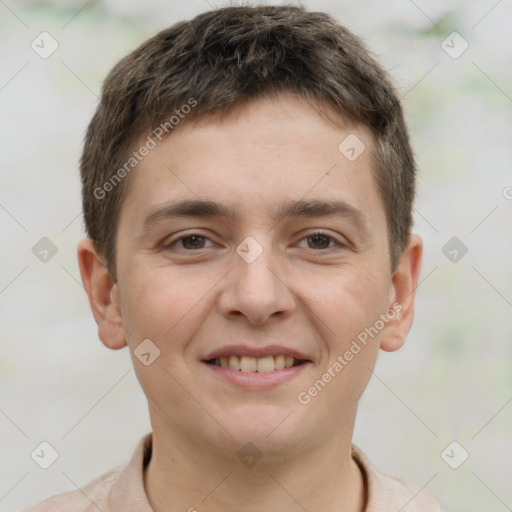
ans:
(311, 295)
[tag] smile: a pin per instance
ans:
(256, 373)
(256, 364)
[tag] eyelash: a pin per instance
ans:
(170, 246)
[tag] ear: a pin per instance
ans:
(402, 293)
(102, 294)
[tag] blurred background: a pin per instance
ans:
(438, 412)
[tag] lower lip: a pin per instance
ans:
(257, 380)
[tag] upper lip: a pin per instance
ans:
(258, 352)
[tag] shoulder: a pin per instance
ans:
(389, 493)
(119, 489)
(92, 497)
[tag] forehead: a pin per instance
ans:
(256, 158)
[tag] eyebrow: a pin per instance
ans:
(198, 208)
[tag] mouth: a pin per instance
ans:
(249, 364)
(256, 367)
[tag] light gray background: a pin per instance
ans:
(451, 381)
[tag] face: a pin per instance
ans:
(286, 265)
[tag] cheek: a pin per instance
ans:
(350, 307)
(341, 313)
(344, 302)
(167, 309)
(166, 305)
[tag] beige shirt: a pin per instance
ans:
(122, 490)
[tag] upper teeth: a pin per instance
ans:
(254, 364)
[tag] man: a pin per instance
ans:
(247, 191)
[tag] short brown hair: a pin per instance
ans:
(223, 58)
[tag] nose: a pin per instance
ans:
(257, 290)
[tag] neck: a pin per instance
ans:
(191, 476)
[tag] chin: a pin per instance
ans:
(269, 427)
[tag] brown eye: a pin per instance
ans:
(192, 242)
(322, 241)
(188, 243)
(319, 241)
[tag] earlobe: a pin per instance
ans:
(102, 294)
(402, 295)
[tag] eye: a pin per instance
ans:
(195, 241)
(321, 240)
(188, 242)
